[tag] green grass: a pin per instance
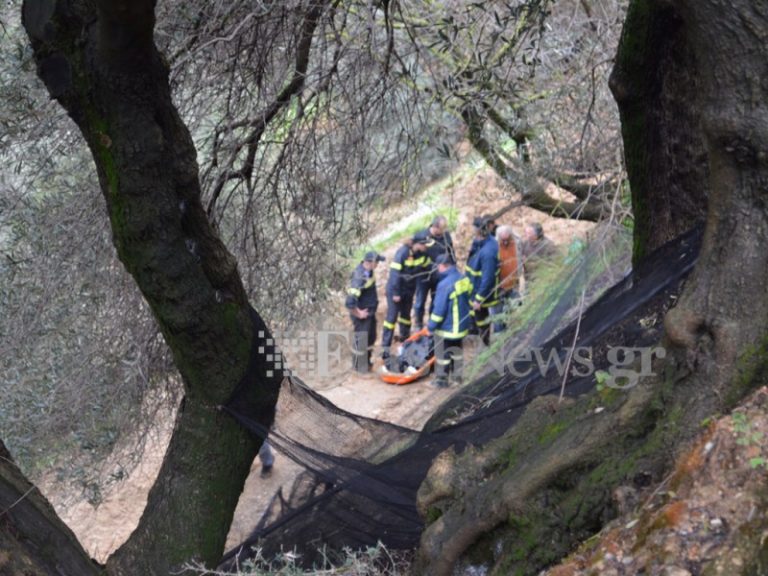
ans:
(437, 196)
(553, 279)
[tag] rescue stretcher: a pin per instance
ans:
(416, 349)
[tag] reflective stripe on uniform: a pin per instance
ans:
(404, 321)
(464, 285)
(389, 325)
(484, 322)
(370, 283)
(396, 266)
(455, 310)
(444, 362)
(452, 335)
(472, 272)
(436, 318)
(353, 292)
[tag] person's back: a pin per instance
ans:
(483, 270)
(508, 266)
(451, 316)
(449, 322)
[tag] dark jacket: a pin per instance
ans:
(483, 271)
(437, 246)
(405, 270)
(474, 247)
(362, 290)
(450, 317)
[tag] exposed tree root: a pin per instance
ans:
(527, 499)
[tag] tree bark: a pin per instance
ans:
(549, 482)
(99, 61)
(33, 540)
(655, 80)
(723, 315)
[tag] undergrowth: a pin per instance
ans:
(375, 561)
(592, 264)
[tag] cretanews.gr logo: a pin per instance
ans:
(328, 353)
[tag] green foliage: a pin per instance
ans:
(743, 428)
(601, 378)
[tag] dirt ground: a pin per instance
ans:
(102, 529)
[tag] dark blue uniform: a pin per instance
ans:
(483, 271)
(405, 271)
(449, 322)
(436, 246)
(361, 293)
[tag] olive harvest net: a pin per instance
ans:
(360, 475)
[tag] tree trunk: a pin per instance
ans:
(723, 315)
(101, 64)
(33, 540)
(654, 81)
(549, 482)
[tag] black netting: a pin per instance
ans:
(361, 475)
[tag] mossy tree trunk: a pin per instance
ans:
(33, 540)
(98, 59)
(550, 482)
(655, 82)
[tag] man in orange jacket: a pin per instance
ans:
(510, 272)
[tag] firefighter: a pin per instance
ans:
(409, 265)
(483, 272)
(439, 242)
(362, 302)
(449, 321)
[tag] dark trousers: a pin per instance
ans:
(398, 313)
(363, 339)
(423, 289)
(483, 323)
(449, 359)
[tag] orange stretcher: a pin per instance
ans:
(402, 378)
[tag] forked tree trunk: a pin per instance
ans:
(100, 62)
(691, 81)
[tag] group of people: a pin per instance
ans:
(425, 268)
